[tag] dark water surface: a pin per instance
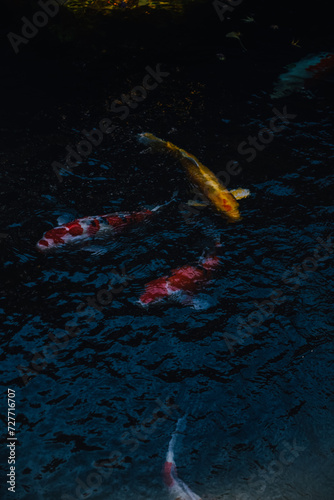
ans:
(259, 408)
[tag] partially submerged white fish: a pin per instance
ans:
(178, 490)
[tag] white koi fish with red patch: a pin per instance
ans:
(183, 279)
(88, 227)
(304, 73)
(178, 490)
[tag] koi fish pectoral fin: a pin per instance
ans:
(240, 193)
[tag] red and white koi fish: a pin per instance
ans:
(178, 490)
(305, 71)
(88, 227)
(183, 279)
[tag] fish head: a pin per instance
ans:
(43, 244)
(52, 238)
(61, 235)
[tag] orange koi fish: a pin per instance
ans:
(219, 197)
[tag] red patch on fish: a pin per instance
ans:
(115, 220)
(226, 205)
(186, 278)
(155, 290)
(56, 234)
(325, 65)
(169, 469)
(74, 228)
(140, 216)
(94, 227)
(137, 216)
(211, 262)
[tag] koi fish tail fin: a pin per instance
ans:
(211, 252)
(218, 242)
(207, 252)
(209, 259)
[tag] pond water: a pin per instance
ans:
(96, 413)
